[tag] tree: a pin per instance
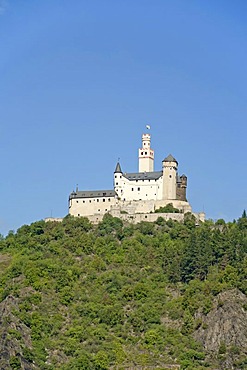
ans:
(167, 209)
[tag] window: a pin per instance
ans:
(146, 153)
(132, 189)
(78, 214)
(83, 201)
(103, 200)
(141, 153)
(109, 199)
(97, 200)
(138, 189)
(90, 201)
(170, 176)
(77, 201)
(116, 183)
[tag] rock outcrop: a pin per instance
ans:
(11, 330)
(223, 331)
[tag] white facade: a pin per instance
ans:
(169, 179)
(138, 187)
(146, 155)
(91, 203)
(135, 193)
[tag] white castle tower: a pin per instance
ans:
(170, 166)
(146, 155)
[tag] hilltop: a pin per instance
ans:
(162, 295)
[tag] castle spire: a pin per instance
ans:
(118, 168)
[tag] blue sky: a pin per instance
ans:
(79, 80)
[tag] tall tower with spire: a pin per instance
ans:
(146, 155)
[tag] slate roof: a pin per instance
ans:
(170, 158)
(178, 178)
(118, 168)
(143, 175)
(93, 194)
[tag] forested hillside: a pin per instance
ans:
(160, 295)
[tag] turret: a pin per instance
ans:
(183, 181)
(146, 155)
(118, 168)
(181, 187)
(170, 166)
(118, 180)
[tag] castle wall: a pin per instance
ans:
(137, 189)
(183, 206)
(135, 218)
(147, 206)
(99, 206)
(134, 206)
(53, 219)
(90, 206)
(148, 217)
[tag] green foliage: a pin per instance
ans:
(222, 349)
(28, 354)
(167, 209)
(119, 295)
(15, 363)
(220, 222)
(101, 361)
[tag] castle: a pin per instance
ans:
(136, 196)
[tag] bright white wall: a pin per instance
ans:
(137, 189)
(169, 180)
(90, 206)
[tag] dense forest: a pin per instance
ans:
(161, 295)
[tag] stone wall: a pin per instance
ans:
(149, 217)
(136, 217)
